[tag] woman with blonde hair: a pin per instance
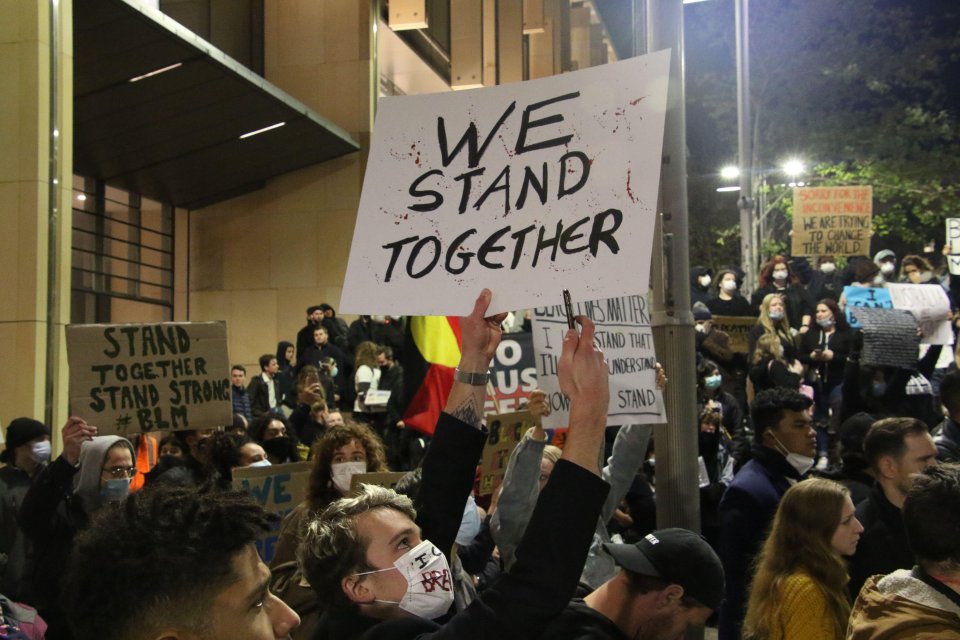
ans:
(769, 369)
(799, 589)
(773, 321)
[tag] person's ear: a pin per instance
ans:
(356, 589)
(670, 596)
(887, 466)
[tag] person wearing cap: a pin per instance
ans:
(305, 335)
(712, 343)
(28, 450)
(886, 261)
(668, 581)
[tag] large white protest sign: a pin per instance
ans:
(930, 306)
(953, 241)
(623, 332)
(524, 188)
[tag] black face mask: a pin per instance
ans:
(278, 448)
(384, 368)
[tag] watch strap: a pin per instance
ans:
(473, 378)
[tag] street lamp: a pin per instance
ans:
(730, 172)
(793, 167)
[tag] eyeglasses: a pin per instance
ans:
(121, 472)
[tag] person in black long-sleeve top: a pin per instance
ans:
(770, 369)
(366, 586)
(824, 348)
(728, 301)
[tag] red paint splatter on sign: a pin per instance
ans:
(629, 190)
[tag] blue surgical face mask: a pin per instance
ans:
(713, 382)
(826, 323)
(775, 315)
(879, 388)
(40, 451)
(333, 372)
(115, 490)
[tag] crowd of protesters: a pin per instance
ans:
(829, 502)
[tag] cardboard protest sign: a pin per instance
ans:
(388, 479)
(930, 307)
(130, 378)
(505, 432)
(889, 337)
(623, 332)
(278, 489)
(832, 221)
(738, 328)
(953, 241)
(522, 188)
(514, 374)
(868, 297)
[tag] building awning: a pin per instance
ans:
(160, 111)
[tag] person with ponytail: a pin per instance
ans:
(799, 589)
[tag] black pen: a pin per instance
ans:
(568, 307)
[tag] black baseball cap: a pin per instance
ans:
(677, 556)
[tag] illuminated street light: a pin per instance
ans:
(730, 173)
(793, 168)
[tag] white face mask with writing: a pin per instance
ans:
(342, 474)
(429, 581)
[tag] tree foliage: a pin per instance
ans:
(865, 89)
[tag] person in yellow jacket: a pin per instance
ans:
(799, 590)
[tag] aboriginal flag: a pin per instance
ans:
(431, 353)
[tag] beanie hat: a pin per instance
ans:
(701, 312)
(20, 432)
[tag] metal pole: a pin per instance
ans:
(53, 225)
(678, 493)
(748, 247)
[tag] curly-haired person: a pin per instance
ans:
(177, 563)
